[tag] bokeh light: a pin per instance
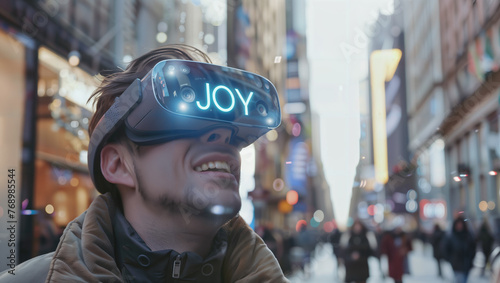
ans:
(411, 206)
(162, 27)
(483, 206)
(161, 37)
(371, 209)
(284, 207)
(292, 197)
(328, 226)
(314, 223)
(296, 129)
(299, 224)
(74, 58)
(278, 184)
(319, 216)
(272, 135)
(49, 208)
(411, 195)
(491, 205)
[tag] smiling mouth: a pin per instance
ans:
(215, 166)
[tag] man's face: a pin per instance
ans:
(192, 177)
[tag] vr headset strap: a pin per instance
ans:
(110, 122)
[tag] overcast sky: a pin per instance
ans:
(338, 58)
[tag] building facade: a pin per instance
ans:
(425, 105)
(452, 63)
(470, 127)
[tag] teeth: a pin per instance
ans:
(219, 165)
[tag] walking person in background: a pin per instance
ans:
(306, 240)
(379, 234)
(436, 241)
(356, 250)
(485, 240)
(334, 238)
(396, 245)
(459, 249)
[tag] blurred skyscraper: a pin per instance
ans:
(425, 108)
(290, 184)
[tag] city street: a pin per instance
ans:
(300, 123)
(422, 265)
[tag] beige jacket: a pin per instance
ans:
(86, 249)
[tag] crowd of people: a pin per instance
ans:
(352, 248)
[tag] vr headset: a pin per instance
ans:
(182, 99)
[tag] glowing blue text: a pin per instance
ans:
(214, 95)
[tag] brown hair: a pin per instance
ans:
(115, 84)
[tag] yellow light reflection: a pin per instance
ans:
(483, 206)
(74, 182)
(272, 135)
(383, 65)
(49, 208)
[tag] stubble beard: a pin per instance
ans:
(195, 202)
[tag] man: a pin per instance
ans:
(459, 249)
(168, 169)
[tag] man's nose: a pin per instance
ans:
(218, 135)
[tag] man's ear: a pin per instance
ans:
(115, 167)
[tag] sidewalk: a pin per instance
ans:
(423, 269)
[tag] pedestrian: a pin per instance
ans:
(436, 240)
(334, 238)
(459, 249)
(288, 244)
(164, 154)
(306, 240)
(379, 234)
(485, 241)
(356, 250)
(396, 245)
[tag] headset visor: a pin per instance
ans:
(217, 93)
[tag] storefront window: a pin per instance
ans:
(63, 189)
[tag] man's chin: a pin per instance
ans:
(213, 204)
(221, 212)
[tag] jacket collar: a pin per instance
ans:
(87, 251)
(101, 246)
(139, 264)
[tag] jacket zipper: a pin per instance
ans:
(177, 267)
